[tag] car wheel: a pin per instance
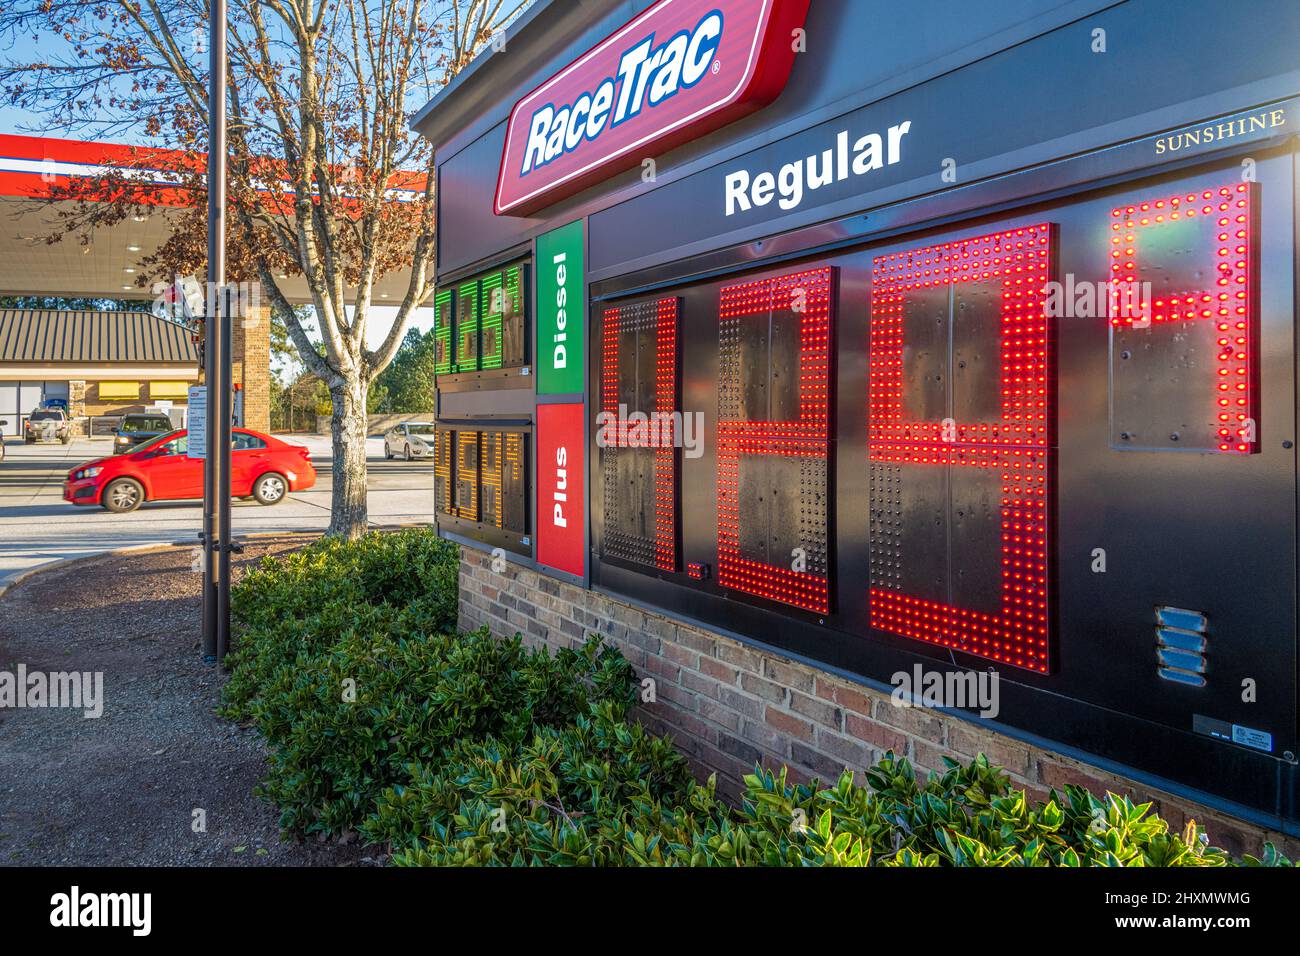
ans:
(122, 495)
(270, 489)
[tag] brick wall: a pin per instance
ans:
(729, 705)
(250, 362)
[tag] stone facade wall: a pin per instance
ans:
(250, 360)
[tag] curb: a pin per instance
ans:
(130, 549)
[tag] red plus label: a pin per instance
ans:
(561, 505)
(681, 69)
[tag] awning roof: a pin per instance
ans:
(47, 335)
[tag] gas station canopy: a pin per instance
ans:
(32, 168)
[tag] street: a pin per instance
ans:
(37, 526)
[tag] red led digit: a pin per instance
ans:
(663, 433)
(807, 436)
(1227, 304)
(1017, 445)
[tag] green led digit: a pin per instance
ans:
(494, 309)
(443, 320)
(467, 327)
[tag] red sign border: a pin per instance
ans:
(766, 74)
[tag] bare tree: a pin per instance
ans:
(326, 180)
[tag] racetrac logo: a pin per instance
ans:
(681, 69)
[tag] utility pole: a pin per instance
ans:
(216, 460)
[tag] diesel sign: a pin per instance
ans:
(560, 274)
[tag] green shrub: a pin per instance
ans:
(602, 793)
(395, 568)
(550, 800)
(292, 608)
(346, 724)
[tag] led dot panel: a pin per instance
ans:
(467, 327)
(639, 418)
(502, 481)
(443, 332)
(1011, 450)
(774, 357)
(503, 319)
(467, 475)
(443, 469)
(1148, 238)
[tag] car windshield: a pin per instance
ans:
(151, 424)
(159, 442)
(46, 417)
(420, 429)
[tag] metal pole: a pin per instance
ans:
(224, 416)
(217, 358)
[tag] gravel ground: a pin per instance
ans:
(123, 789)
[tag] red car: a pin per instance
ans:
(261, 467)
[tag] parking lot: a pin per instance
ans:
(37, 526)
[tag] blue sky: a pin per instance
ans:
(28, 49)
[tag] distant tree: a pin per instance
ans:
(406, 386)
(72, 304)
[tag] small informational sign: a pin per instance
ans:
(561, 505)
(198, 422)
(561, 270)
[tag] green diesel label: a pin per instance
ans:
(560, 309)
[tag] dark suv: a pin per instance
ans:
(134, 429)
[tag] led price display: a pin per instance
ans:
(467, 327)
(482, 476)
(503, 485)
(773, 438)
(637, 440)
(502, 302)
(1182, 316)
(961, 411)
(443, 331)
(444, 492)
(960, 408)
(466, 476)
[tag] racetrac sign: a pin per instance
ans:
(681, 69)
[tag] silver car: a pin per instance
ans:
(409, 440)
